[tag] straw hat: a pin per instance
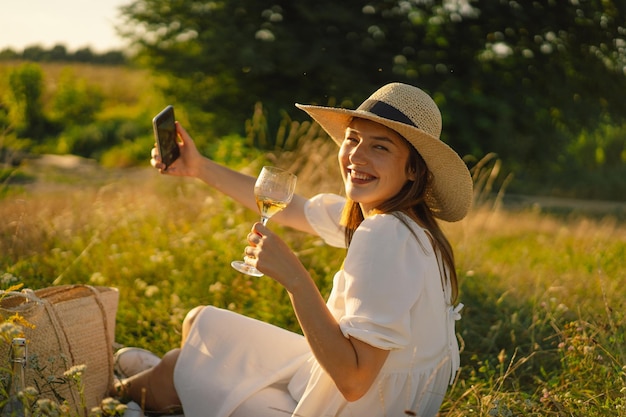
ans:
(414, 115)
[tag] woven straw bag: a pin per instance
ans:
(73, 325)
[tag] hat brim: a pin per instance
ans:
(451, 190)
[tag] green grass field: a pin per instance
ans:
(543, 328)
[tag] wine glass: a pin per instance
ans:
(273, 190)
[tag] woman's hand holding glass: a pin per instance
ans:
(273, 190)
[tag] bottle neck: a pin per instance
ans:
(19, 357)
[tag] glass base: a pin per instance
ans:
(244, 268)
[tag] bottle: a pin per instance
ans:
(18, 357)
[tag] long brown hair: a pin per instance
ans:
(411, 201)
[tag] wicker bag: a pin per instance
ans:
(73, 325)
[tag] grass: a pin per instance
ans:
(543, 328)
(544, 324)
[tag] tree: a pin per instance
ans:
(34, 53)
(84, 55)
(111, 58)
(222, 57)
(8, 54)
(25, 101)
(76, 102)
(520, 78)
(538, 74)
(58, 53)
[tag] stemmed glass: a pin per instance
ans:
(273, 190)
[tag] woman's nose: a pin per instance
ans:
(358, 155)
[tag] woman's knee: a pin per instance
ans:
(190, 318)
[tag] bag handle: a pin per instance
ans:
(105, 325)
(26, 293)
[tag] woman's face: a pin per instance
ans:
(373, 161)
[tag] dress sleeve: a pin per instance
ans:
(323, 212)
(384, 278)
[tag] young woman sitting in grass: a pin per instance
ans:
(384, 343)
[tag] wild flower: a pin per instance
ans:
(216, 287)
(75, 372)
(10, 330)
(47, 407)
(151, 291)
(7, 279)
(98, 278)
(112, 407)
(96, 412)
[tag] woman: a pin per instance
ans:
(383, 344)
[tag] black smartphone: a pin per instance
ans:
(165, 135)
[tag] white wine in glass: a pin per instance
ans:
(273, 190)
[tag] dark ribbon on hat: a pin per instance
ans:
(386, 111)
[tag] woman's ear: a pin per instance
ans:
(411, 174)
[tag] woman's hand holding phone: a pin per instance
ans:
(166, 137)
(188, 161)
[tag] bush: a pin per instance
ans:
(76, 102)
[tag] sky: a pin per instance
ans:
(73, 23)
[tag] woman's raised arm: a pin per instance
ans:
(234, 184)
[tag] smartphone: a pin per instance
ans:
(166, 136)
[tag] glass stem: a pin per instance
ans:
(264, 220)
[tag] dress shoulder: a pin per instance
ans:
(323, 213)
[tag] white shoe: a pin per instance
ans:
(133, 410)
(130, 361)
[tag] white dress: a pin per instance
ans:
(388, 294)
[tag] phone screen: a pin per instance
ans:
(165, 135)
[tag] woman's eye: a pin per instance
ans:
(381, 147)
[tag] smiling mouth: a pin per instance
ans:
(359, 177)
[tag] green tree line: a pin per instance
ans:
(60, 53)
